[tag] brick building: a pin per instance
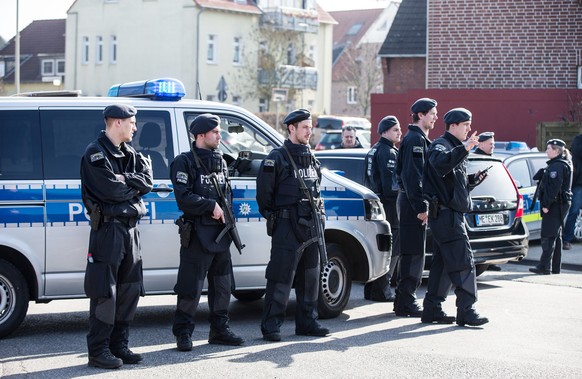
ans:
(514, 63)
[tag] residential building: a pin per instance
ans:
(512, 72)
(357, 71)
(42, 58)
(212, 46)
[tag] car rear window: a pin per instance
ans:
(498, 182)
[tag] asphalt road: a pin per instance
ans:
(535, 331)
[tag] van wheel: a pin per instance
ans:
(479, 269)
(248, 296)
(14, 298)
(335, 284)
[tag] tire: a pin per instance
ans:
(479, 269)
(249, 295)
(14, 297)
(335, 284)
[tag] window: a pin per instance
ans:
(236, 100)
(113, 49)
(352, 95)
(48, 67)
(2, 69)
(354, 29)
(263, 105)
(85, 50)
(60, 67)
(211, 53)
(290, 54)
(579, 77)
(236, 54)
(99, 50)
(20, 145)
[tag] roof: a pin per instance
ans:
(407, 36)
(44, 37)
(351, 26)
(247, 6)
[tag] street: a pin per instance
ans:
(535, 331)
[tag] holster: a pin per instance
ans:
(433, 207)
(184, 230)
(271, 220)
(96, 218)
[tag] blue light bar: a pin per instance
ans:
(167, 89)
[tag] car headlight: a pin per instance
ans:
(374, 210)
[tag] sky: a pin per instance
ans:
(30, 10)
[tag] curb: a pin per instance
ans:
(565, 266)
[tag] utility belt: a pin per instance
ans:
(127, 221)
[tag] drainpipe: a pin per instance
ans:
(17, 54)
(197, 84)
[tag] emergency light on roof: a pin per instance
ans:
(157, 89)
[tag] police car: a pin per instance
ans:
(44, 228)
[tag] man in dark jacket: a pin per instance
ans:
(412, 206)
(576, 151)
(349, 138)
(447, 185)
(114, 177)
(380, 178)
(201, 255)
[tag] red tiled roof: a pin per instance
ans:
(346, 19)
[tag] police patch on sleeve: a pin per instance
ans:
(97, 156)
(269, 165)
(553, 174)
(182, 177)
(440, 147)
(417, 149)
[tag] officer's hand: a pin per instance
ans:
(146, 162)
(480, 176)
(472, 141)
(218, 214)
(423, 217)
(120, 177)
(545, 210)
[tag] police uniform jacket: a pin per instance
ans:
(277, 185)
(410, 167)
(195, 194)
(446, 174)
(556, 183)
(99, 165)
(380, 167)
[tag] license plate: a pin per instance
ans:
(490, 219)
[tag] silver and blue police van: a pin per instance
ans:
(44, 228)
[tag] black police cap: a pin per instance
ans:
(386, 123)
(556, 142)
(423, 105)
(457, 115)
(119, 111)
(204, 123)
(297, 115)
(485, 136)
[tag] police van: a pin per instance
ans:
(44, 228)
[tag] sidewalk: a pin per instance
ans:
(571, 259)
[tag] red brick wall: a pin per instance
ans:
(402, 74)
(504, 43)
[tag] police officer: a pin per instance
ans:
(447, 185)
(114, 177)
(199, 226)
(412, 207)
(380, 178)
(555, 196)
(486, 146)
(350, 139)
(291, 224)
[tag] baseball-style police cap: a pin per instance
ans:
(386, 123)
(119, 111)
(457, 115)
(485, 136)
(556, 142)
(423, 105)
(297, 115)
(204, 123)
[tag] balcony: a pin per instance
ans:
(296, 19)
(288, 76)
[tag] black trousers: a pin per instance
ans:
(551, 237)
(114, 283)
(287, 266)
(195, 265)
(452, 264)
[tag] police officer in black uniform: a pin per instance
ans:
(114, 177)
(199, 226)
(555, 196)
(291, 223)
(412, 207)
(447, 186)
(380, 178)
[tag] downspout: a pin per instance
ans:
(197, 84)
(426, 59)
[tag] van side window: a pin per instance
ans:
(20, 152)
(66, 134)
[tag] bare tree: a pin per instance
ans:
(360, 69)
